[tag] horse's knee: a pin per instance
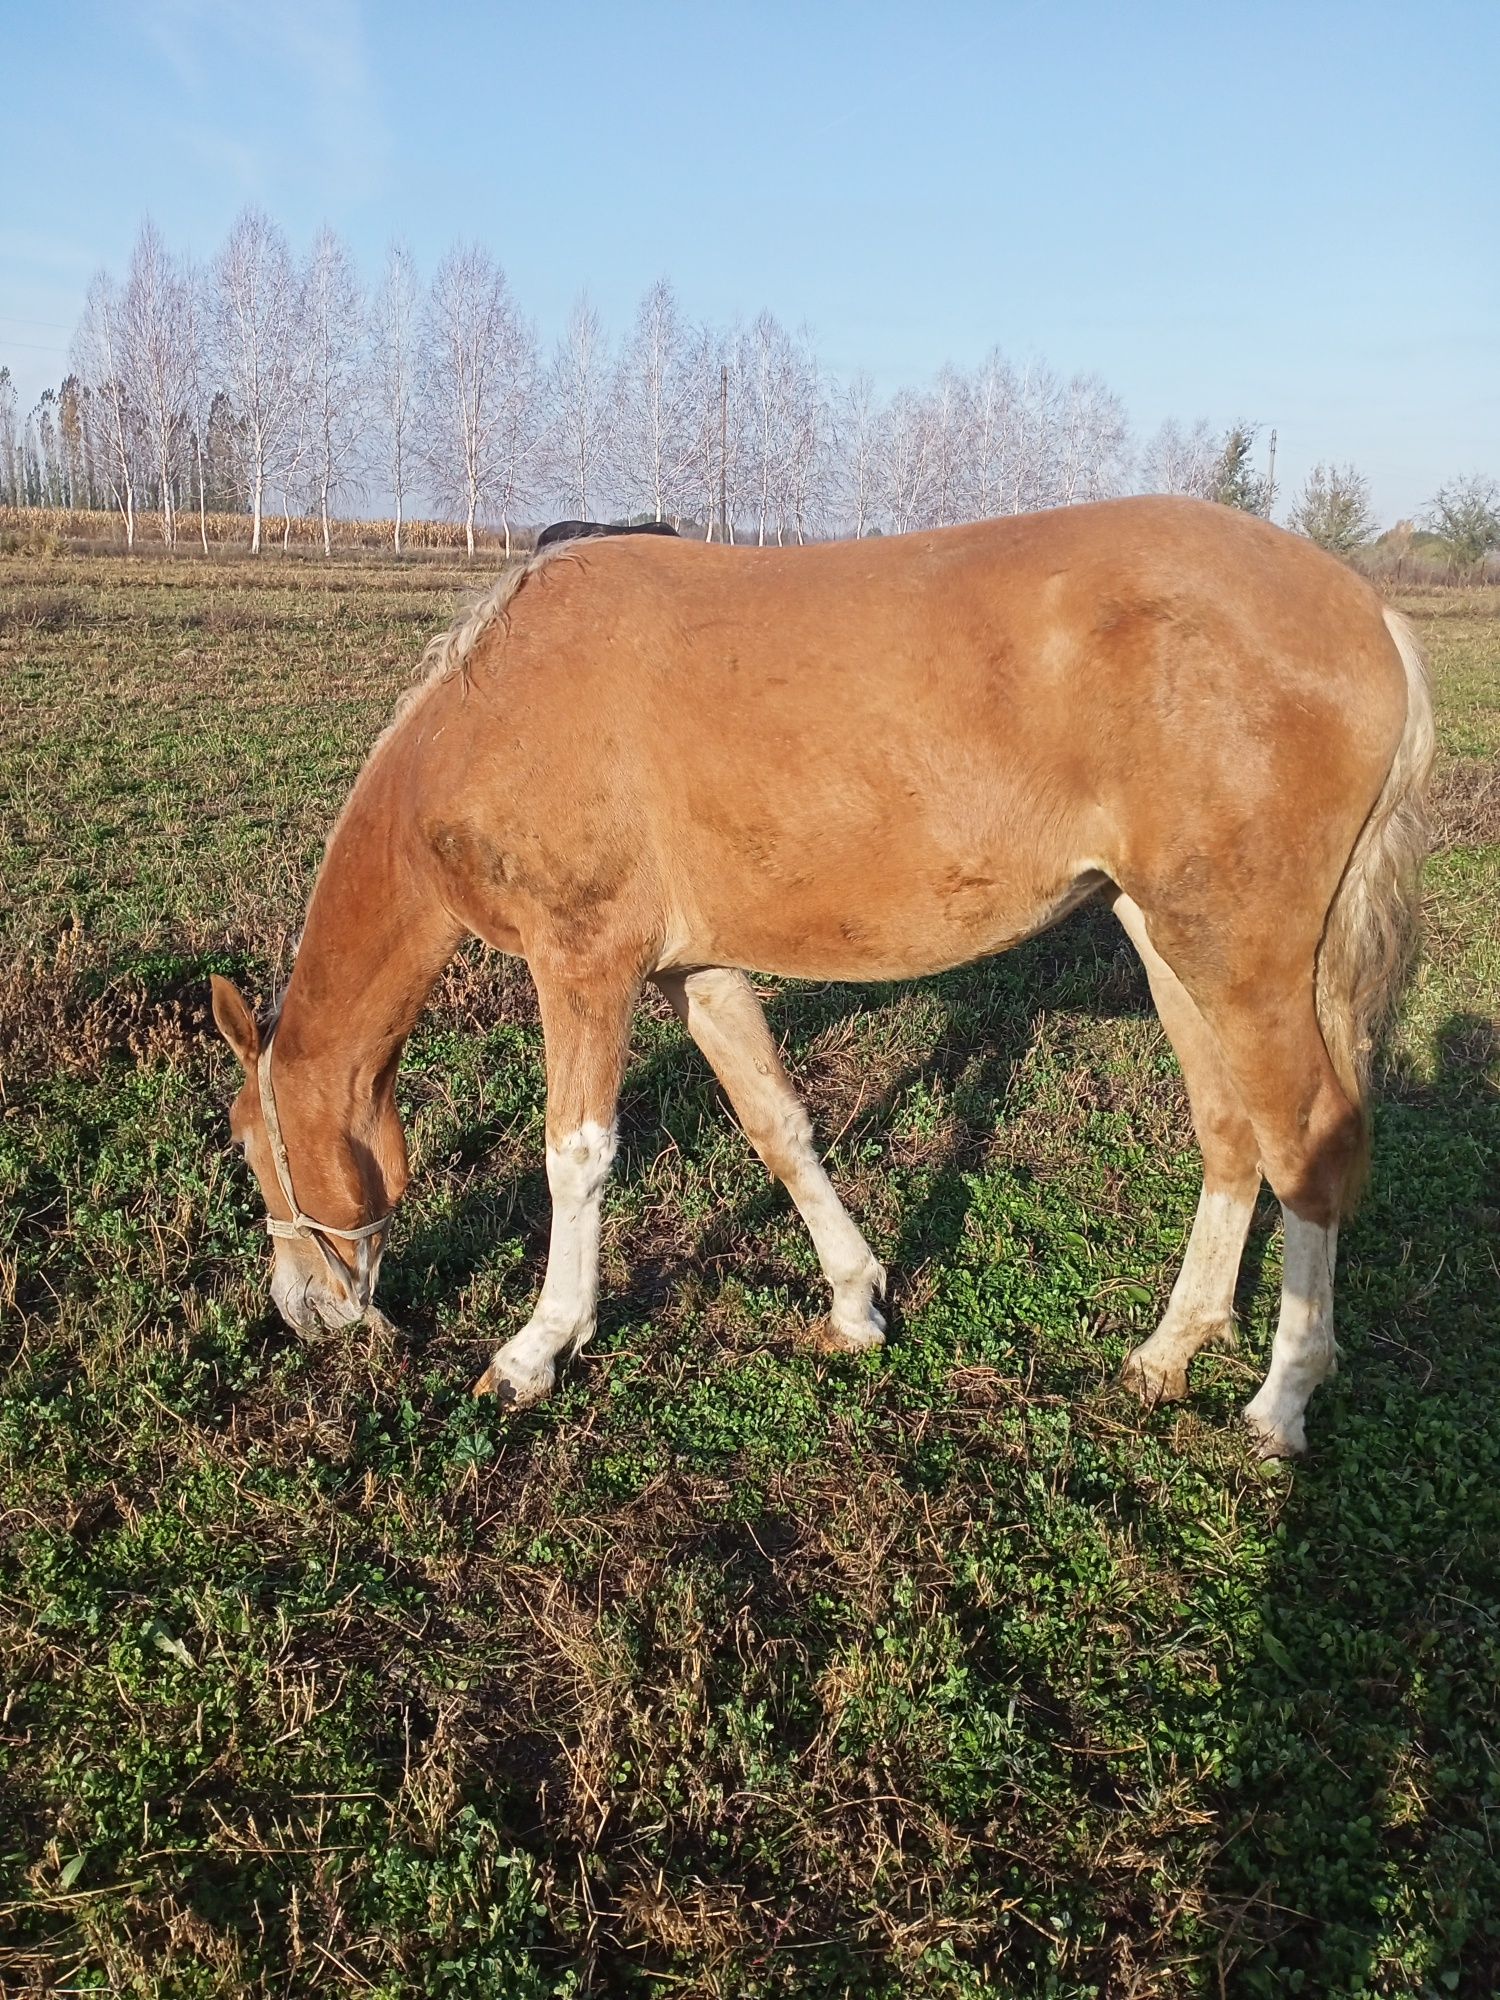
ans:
(1311, 1173)
(781, 1133)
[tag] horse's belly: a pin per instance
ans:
(883, 924)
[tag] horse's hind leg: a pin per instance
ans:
(1201, 1308)
(1309, 1135)
(586, 1025)
(1254, 986)
(725, 1019)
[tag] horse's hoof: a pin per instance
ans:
(840, 1337)
(853, 1333)
(509, 1393)
(1153, 1380)
(1274, 1437)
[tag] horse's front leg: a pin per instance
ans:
(586, 1025)
(728, 1023)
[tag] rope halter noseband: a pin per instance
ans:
(304, 1225)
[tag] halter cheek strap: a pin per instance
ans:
(304, 1225)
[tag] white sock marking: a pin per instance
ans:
(846, 1259)
(1204, 1292)
(1302, 1354)
(564, 1317)
(1202, 1300)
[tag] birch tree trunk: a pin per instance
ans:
(253, 310)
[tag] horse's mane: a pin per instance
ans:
(450, 652)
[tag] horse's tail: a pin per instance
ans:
(1371, 932)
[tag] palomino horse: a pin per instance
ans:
(656, 759)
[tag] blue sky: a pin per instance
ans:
(1287, 212)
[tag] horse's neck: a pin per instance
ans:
(376, 938)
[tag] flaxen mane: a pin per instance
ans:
(449, 653)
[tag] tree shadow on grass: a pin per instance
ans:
(1360, 1819)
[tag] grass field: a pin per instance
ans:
(735, 1669)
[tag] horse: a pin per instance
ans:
(582, 531)
(670, 761)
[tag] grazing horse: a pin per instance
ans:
(870, 761)
(584, 531)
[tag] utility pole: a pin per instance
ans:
(1271, 478)
(724, 453)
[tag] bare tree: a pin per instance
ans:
(70, 433)
(1093, 442)
(9, 490)
(578, 404)
(1334, 509)
(521, 432)
(201, 389)
(1466, 513)
(765, 372)
(905, 461)
(1016, 430)
(157, 327)
(734, 428)
(253, 325)
(807, 459)
(99, 354)
(469, 334)
(652, 433)
(707, 419)
(334, 315)
(1181, 461)
(948, 442)
(856, 453)
(1034, 473)
(298, 436)
(397, 369)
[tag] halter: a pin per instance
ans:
(303, 1225)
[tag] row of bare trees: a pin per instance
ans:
(262, 383)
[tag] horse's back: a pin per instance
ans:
(872, 758)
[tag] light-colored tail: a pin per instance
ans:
(1371, 932)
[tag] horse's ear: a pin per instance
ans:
(235, 1021)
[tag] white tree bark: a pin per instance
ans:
(397, 367)
(652, 430)
(337, 382)
(253, 327)
(1181, 461)
(158, 330)
(579, 410)
(100, 360)
(469, 325)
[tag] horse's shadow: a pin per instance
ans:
(1367, 1722)
(1300, 1729)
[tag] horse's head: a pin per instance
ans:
(326, 1256)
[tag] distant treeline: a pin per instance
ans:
(263, 386)
(258, 384)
